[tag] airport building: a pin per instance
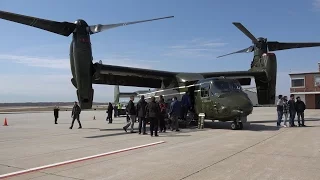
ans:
(307, 87)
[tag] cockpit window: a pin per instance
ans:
(225, 86)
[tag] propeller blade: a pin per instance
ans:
(246, 50)
(245, 31)
(98, 28)
(62, 28)
(277, 46)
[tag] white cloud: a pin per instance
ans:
(316, 4)
(37, 61)
(53, 87)
(56, 63)
(196, 48)
(46, 88)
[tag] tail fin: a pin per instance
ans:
(266, 81)
(116, 93)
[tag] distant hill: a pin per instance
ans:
(43, 104)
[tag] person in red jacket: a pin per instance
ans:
(163, 108)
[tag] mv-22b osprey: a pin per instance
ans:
(85, 72)
(219, 95)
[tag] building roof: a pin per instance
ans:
(303, 73)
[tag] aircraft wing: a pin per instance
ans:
(244, 77)
(129, 76)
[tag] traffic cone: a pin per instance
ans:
(94, 117)
(5, 122)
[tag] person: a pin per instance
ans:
(285, 110)
(109, 111)
(131, 110)
(56, 114)
(152, 113)
(115, 110)
(186, 104)
(76, 110)
(279, 109)
(174, 112)
(292, 110)
(163, 109)
(141, 111)
(300, 107)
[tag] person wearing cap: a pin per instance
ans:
(300, 107)
(152, 113)
(76, 110)
(141, 112)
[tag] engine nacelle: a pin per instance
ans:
(266, 83)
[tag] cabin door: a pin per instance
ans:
(205, 98)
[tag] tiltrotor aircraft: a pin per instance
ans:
(218, 100)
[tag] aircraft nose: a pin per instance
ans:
(241, 105)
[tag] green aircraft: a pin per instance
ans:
(218, 95)
(85, 72)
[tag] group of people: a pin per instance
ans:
(153, 112)
(289, 109)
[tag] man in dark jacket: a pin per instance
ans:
(185, 105)
(56, 114)
(152, 113)
(132, 113)
(141, 111)
(163, 110)
(76, 110)
(175, 110)
(300, 107)
(109, 112)
(292, 110)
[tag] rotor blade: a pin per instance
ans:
(98, 28)
(276, 46)
(62, 28)
(246, 50)
(245, 31)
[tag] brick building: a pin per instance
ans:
(307, 87)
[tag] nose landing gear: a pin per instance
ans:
(237, 124)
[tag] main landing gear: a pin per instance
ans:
(237, 124)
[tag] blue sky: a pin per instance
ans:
(35, 63)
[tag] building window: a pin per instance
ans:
(317, 80)
(297, 82)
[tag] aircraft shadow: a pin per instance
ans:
(246, 126)
(296, 121)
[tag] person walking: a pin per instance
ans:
(141, 112)
(115, 110)
(174, 113)
(56, 114)
(76, 110)
(131, 110)
(109, 112)
(152, 113)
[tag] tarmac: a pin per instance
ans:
(33, 147)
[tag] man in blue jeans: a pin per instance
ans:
(279, 109)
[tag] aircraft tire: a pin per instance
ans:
(234, 126)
